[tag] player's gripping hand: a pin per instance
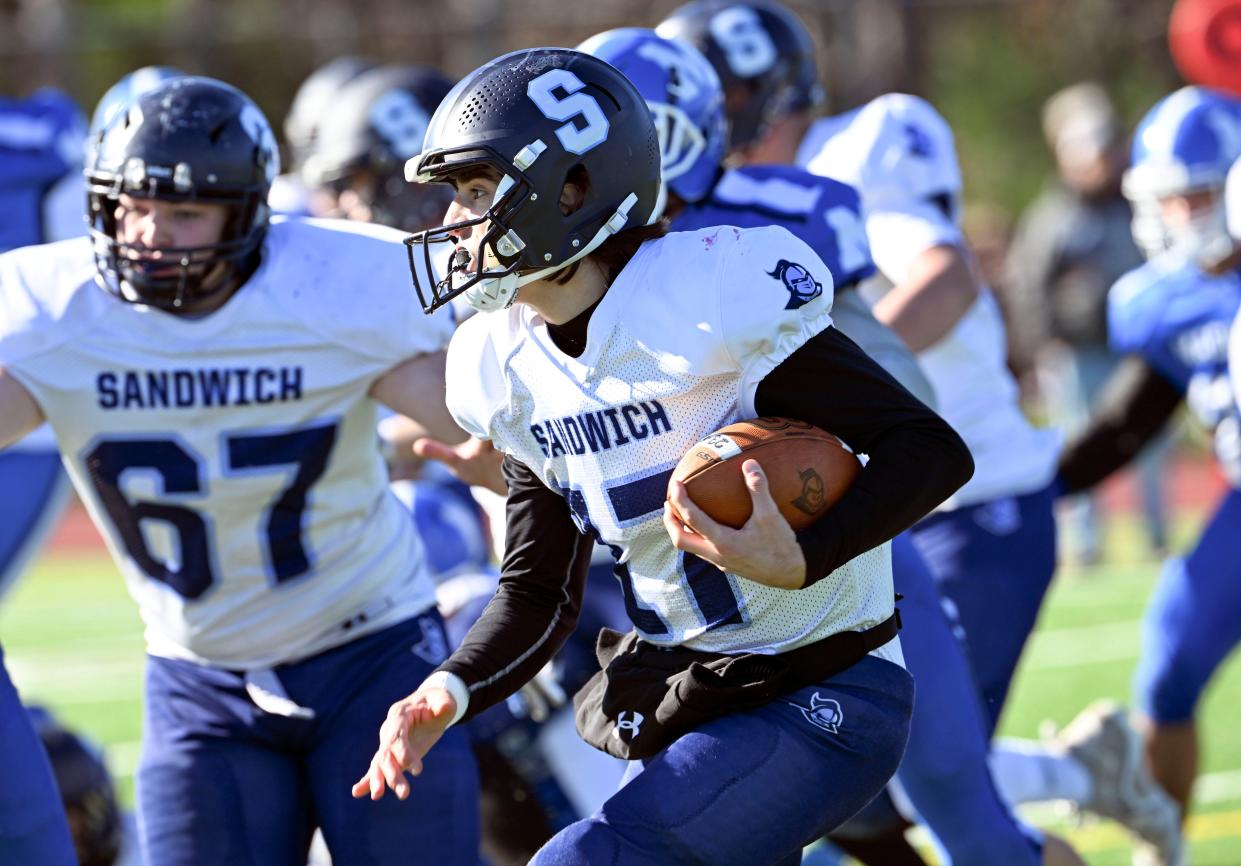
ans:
(765, 550)
(475, 461)
(413, 726)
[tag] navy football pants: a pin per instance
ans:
(945, 770)
(992, 563)
(752, 788)
(220, 781)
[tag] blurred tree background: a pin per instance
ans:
(986, 64)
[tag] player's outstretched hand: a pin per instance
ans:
(475, 461)
(413, 726)
(765, 550)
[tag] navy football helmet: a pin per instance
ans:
(763, 54)
(378, 123)
(1184, 145)
(685, 98)
(86, 789)
(315, 99)
(534, 117)
(190, 139)
(125, 91)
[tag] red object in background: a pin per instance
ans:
(1205, 39)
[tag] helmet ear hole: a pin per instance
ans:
(575, 189)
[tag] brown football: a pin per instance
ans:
(807, 469)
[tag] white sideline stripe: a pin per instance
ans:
(122, 758)
(74, 677)
(1217, 787)
(1052, 649)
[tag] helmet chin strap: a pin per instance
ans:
(498, 293)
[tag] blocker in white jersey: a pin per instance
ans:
(213, 379)
(230, 461)
(900, 155)
(610, 349)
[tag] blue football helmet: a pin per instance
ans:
(450, 522)
(190, 139)
(763, 54)
(125, 91)
(686, 101)
(1184, 145)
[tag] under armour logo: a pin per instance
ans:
(823, 713)
(630, 725)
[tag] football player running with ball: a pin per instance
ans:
(212, 378)
(609, 349)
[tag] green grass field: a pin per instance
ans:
(74, 643)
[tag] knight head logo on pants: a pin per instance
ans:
(824, 713)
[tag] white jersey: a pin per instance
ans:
(900, 155)
(231, 461)
(675, 350)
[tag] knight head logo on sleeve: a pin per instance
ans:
(802, 287)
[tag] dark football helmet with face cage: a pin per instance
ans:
(536, 117)
(763, 54)
(86, 789)
(195, 140)
(314, 100)
(379, 121)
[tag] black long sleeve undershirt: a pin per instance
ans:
(536, 605)
(1134, 405)
(916, 461)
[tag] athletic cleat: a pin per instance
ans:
(1106, 745)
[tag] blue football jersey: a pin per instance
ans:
(1178, 319)
(41, 142)
(824, 213)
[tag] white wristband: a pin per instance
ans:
(455, 687)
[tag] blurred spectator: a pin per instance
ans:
(1070, 246)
